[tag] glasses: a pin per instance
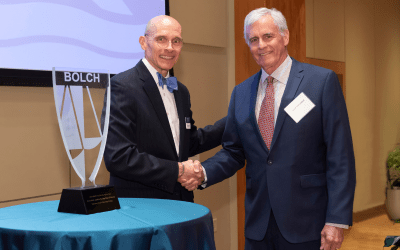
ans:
(163, 42)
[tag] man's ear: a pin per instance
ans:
(142, 41)
(286, 38)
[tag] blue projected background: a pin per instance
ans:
(91, 34)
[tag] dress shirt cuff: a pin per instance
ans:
(337, 225)
(204, 184)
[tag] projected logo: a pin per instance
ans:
(79, 96)
(101, 33)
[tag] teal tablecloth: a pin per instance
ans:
(139, 224)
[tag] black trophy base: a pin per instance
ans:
(88, 200)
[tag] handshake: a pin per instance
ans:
(191, 174)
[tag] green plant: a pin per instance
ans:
(393, 168)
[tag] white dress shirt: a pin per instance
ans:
(169, 104)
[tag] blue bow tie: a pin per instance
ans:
(171, 82)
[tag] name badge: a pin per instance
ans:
(188, 124)
(299, 107)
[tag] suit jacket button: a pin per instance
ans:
(269, 162)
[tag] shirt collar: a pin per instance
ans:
(281, 74)
(152, 70)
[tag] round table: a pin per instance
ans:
(139, 224)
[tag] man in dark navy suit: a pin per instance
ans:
(151, 130)
(289, 122)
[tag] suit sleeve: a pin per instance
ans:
(231, 157)
(122, 155)
(340, 172)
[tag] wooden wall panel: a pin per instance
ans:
(328, 30)
(338, 67)
(245, 66)
(35, 166)
(203, 22)
(294, 12)
(34, 162)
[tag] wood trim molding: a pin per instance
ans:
(369, 213)
(338, 67)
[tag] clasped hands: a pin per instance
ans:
(191, 174)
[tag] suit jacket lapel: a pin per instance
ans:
(150, 87)
(292, 85)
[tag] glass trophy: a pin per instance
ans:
(78, 113)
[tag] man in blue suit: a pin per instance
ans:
(289, 122)
(151, 131)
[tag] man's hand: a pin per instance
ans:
(331, 238)
(192, 175)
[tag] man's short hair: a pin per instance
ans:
(256, 14)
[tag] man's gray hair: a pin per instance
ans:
(256, 14)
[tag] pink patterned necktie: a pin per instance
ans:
(266, 116)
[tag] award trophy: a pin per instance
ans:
(78, 119)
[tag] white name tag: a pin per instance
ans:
(299, 107)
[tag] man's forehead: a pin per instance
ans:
(167, 33)
(165, 28)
